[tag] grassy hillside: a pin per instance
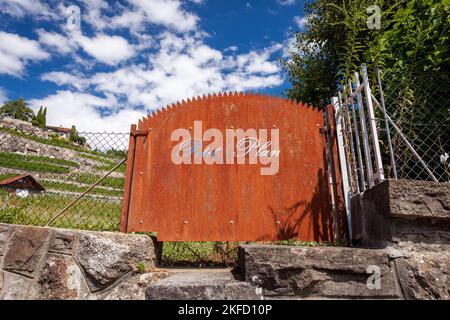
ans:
(64, 179)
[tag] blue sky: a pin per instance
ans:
(131, 56)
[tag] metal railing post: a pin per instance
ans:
(373, 124)
(357, 142)
(364, 134)
(342, 159)
(386, 123)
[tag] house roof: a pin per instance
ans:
(60, 129)
(24, 181)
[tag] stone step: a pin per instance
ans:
(209, 284)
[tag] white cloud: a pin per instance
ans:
(259, 62)
(20, 8)
(56, 41)
(3, 96)
(166, 13)
(301, 22)
(149, 69)
(107, 49)
(67, 108)
(104, 48)
(92, 13)
(185, 67)
(182, 67)
(286, 2)
(16, 51)
(64, 78)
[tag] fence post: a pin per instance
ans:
(336, 174)
(386, 123)
(339, 119)
(373, 124)
(357, 142)
(364, 133)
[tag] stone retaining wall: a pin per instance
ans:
(403, 225)
(399, 211)
(346, 273)
(46, 263)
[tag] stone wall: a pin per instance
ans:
(46, 263)
(397, 212)
(403, 225)
(345, 273)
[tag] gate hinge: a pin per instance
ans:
(141, 132)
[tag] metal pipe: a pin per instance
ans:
(84, 193)
(405, 140)
(344, 130)
(386, 123)
(352, 151)
(365, 135)
(357, 142)
(372, 124)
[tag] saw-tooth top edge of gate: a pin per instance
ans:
(158, 113)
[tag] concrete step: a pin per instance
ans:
(201, 284)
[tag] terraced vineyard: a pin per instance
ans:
(65, 171)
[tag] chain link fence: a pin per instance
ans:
(414, 137)
(420, 108)
(65, 171)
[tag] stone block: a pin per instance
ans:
(15, 287)
(402, 210)
(26, 248)
(419, 199)
(106, 257)
(131, 288)
(60, 279)
(195, 285)
(317, 271)
(240, 290)
(425, 275)
(62, 241)
(4, 237)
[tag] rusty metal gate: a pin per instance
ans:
(231, 167)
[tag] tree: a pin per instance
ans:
(413, 40)
(44, 117)
(74, 137)
(17, 109)
(40, 120)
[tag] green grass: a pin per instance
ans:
(98, 158)
(8, 161)
(199, 253)
(40, 159)
(87, 214)
(4, 176)
(107, 167)
(64, 186)
(86, 178)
